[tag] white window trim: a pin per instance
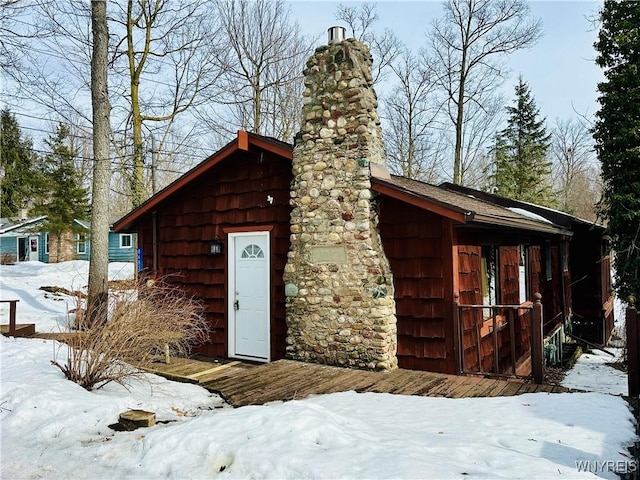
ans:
(80, 242)
(122, 235)
(46, 243)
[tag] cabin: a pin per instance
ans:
(27, 240)
(314, 252)
(447, 251)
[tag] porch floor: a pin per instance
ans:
(242, 384)
(21, 330)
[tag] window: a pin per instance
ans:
(46, 243)
(252, 251)
(547, 258)
(564, 249)
(522, 273)
(126, 240)
(490, 275)
(81, 243)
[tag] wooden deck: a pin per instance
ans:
(242, 384)
(21, 330)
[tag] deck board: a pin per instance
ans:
(243, 384)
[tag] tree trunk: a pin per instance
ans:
(99, 255)
(457, 160)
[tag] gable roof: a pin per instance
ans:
(7, 225)
(458, 206)
(245, 141)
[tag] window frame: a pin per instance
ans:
(122, 236)
(489, 258)
(81, 240)
(523, 274)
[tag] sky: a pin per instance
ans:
(560, 68)
(53, 428)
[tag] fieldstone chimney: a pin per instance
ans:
(339, 287)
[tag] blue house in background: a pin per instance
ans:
(21, 240)
(26, 240)
(122, 246)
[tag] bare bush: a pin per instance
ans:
(155, 317)
(7, 258)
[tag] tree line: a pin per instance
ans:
(181, 71)
(46, 183)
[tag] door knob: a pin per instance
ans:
(236, 305)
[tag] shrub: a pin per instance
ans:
(155, 317)
(7, 258)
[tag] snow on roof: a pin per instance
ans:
(7, 225)
(528, 214)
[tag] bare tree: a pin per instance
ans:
(260, 87)
(574, 168)
(467, 44)
(385, 46)
(165, 52)
(160, 61)
(481, 123)
(412, 142)
(98, 290)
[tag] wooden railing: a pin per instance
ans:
(514, 328)
(12, 315)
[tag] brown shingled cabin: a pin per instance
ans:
(382, 271)
(444, 245)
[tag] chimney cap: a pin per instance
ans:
(336, 34)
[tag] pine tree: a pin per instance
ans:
(521, 168)
(65, 198)
(617, 135)
(18, 163)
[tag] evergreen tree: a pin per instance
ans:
(65, 197)
(521, 168)
(617, 135)
(18, 162)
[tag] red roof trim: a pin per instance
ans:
(243, 142)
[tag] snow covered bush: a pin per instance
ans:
(154, 318)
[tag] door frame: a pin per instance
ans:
(30, 239)
(231, 280)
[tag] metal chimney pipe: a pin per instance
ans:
(336, 34)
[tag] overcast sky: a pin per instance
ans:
(560, 68)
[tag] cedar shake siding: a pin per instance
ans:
(420, 256)
(233, 197)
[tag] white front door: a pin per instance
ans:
(249, 296)
(33, 249)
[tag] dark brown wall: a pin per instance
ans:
(418, 245)
(233, 194)
(591, 287)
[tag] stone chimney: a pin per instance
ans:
(338, 284)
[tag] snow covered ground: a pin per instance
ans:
(52, 428)
(593, 373)
(47, 311)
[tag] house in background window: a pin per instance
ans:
(81, 243)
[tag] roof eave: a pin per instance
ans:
(421, 201)
(522, 225)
